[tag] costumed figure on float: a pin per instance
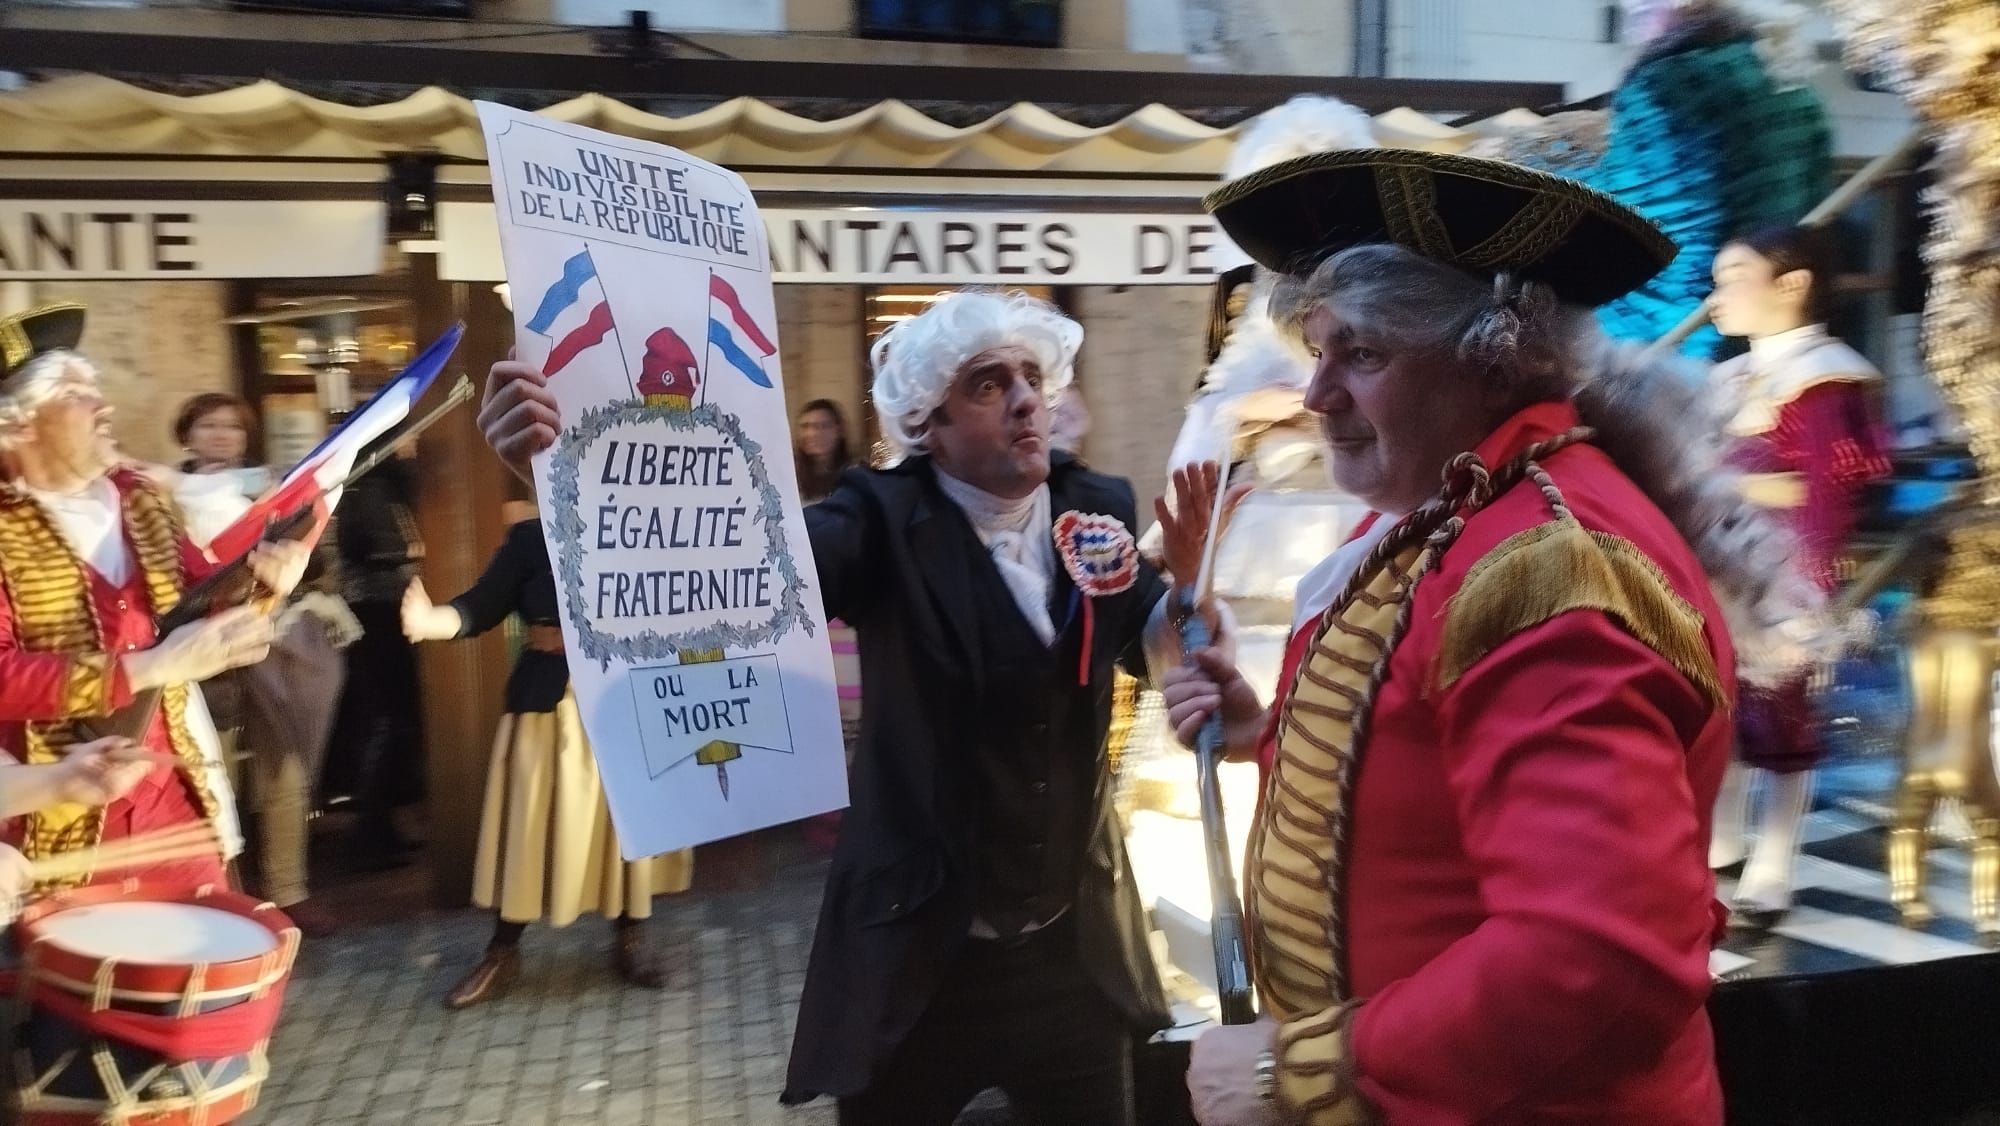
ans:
(1803, 412)
(1715, 134)
(1712, 132)
(90, 554)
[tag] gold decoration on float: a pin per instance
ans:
(1943, 57)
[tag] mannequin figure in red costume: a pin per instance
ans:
(90, 552)
(1477, 889)
(1802, 417)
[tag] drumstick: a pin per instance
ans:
(185, 842)
(87, 863)
(118, 851)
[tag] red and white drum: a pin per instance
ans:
(147, 1006)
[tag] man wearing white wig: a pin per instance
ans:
(90, 554)
(979, 928)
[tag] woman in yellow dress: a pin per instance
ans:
(547, 851)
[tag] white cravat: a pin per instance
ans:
(1770, 377)
(92, 521)
(1321, 585)
(1780, 345)
(1016, 533)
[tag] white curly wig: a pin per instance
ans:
(38, 381)
(916, 360)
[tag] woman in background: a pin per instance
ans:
(820, 446)
(547, 851)
(274, 716)
(214, 432)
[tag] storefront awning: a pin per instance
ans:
(95, 115)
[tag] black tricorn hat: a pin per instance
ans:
(24, 336)
(1484, 216)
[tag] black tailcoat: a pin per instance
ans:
(900, 563)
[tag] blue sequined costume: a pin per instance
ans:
(1703, 143)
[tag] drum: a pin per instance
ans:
(147, 1006)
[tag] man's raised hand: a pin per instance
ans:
(518, 414)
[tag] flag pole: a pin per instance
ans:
(624, 360)
(708, 339)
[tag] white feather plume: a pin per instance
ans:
(1306, 124)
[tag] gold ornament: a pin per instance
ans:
(1943, 56)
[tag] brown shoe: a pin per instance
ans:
(488, 979)
(634, 960)
(312, 920)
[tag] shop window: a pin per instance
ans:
(310, 352)
(1025, 23)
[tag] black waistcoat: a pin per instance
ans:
(1035, 771)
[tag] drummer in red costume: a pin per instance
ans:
(89, 553)
(1477, 889)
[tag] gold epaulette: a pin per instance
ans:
(1560, 566)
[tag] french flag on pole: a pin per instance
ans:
(315, 481)
(732, 332)
(573, 313)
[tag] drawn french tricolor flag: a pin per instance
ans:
(573, 313)
(732, 333)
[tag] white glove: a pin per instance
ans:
(203, 649)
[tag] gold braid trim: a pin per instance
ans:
(15, 347)
(1527, 238)
(87, 685)
(1408, 199)
(1316, 1071)
(50, 595)
(1560, 566)
(1294, 890)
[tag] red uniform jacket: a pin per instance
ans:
(41, 686)
(1528, 910)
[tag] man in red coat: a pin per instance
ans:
(90, 553)
(1477, 889)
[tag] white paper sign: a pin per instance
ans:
(698, 650)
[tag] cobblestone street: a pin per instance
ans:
(364, 1038)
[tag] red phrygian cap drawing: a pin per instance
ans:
(668, 367)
